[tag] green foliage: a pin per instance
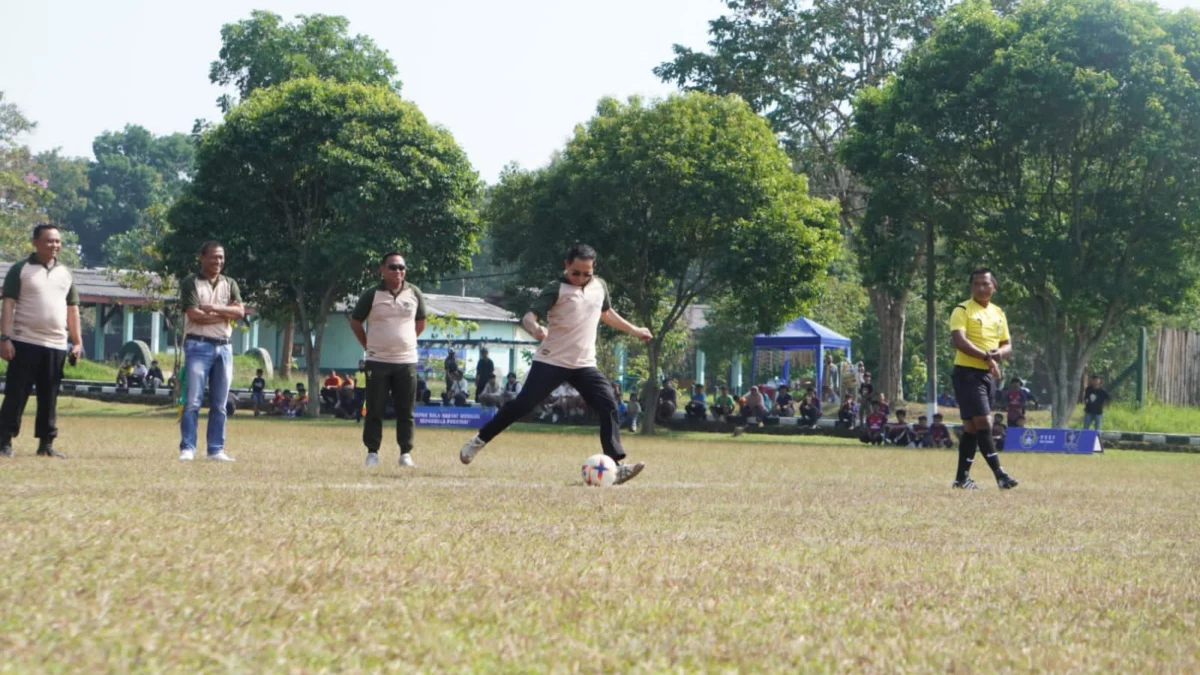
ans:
(309, 182)
(263, 51)
(25, 190)
(1059, 145)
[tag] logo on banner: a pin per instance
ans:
(1029, 439)
(1072, 441)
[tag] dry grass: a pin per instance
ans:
(724, 555)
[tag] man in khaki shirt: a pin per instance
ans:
(41, 310)
(573, 306)
(394, 312)
(211, 302)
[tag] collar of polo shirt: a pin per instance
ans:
(33, 258)
(383, 287)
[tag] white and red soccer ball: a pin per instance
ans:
(599, 471)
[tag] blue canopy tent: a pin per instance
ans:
(801, 335)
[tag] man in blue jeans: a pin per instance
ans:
(211, 303)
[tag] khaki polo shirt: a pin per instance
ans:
(572, 314)
(985, 327)
(42, 294)
(195, 290)
(392, 322)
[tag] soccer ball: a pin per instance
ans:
(599, 471)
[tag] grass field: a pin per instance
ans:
(725, 554)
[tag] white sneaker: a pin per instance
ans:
(406, 459)
(472, 448)
(627, 472)
(187, 455)
(220, 457)
(372, 459)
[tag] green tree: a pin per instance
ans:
(263, 51)
(800, 64)
(686, 199)
(24, 190)
(309, 182)
(1059, 145)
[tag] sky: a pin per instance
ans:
(509, 78)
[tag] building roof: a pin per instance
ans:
(100, 286)
(467, 308)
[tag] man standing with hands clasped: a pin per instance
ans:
(395, 311)
(979, 332)
(40, 311)
(572, 306)
(211, 303)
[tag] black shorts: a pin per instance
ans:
(974, 389)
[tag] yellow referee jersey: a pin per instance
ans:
(986, 328)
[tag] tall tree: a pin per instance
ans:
(263, 51)
(1060, 145)
(688, 198)
(800, 63)
(307, 183)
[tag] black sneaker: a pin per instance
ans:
(47, 450)
(1007, 483)
(966, 484)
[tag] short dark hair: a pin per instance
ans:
(581, 252)
(937, 415)
(383, 260)
(901, 411)
(210, 245)
(921, 417)
(42, 227)
(981, 270)
(258, 370)
(1017, 380)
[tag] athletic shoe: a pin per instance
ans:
(472, 448)
(406, 459)
(372, 459)
(187, 455)
(1007, 483)
(967, 484)
(627, 472)
(220, 457)
(47, 450)
(5, 447)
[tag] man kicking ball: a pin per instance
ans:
(572, 308)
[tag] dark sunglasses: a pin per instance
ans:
(397, 268)
(585, 275)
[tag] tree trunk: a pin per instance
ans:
(313, 333)
(1067, 353)
(650, 389)
(285, 357)
(890, 311)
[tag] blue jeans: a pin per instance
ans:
(212, 365)
(1089, 419)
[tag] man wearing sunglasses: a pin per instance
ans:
(395, 313)
(572, 308)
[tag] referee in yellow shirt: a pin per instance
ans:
(979, 332)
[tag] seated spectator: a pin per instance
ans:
(881, 402)
(568, 403)
(784, 404)
(754, 405)
(697, 408)
(300, 401)
(874, 427)
(284, 405)
(512, 387)
(424, 395)
(1019, 422)
(921, 432)
(346, 408)
(810, 408)
(137, 378)
(633, 414)
(668, 401)
(899, 432)
(491, 395)
(723, 405)
(848, 413)
(999, 430)
(329, 391)
(154, 376)
(123, 373)
(457, 394)
(939, 434)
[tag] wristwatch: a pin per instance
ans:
(4, 338)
